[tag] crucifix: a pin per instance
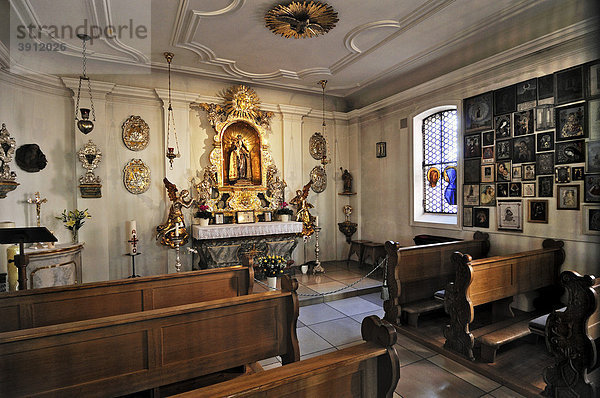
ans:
(37, 201)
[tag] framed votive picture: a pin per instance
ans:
(562, 174)
(594, 120)
(544, 117)
(523, 123)
(593, 80)
(577, 173)
(503, 170)
(546, 187)
(380, 149)
(502, 190)
(481, 217)
(570, 122)
(487, 194)
(569, 152)
(544, 163)
(517, 172)
(268, 216)
(545, 141)
(514, 189)
(528, 171)
(591, 188)
(509, 215)
(219, 218)
(478, 112)
(467, 216)
(592, 157)
(487, 173)
(567, 197)
(569, 85)
(245, 217)
(528, 189)
(537, 211)
(487, 155)
(471, 195)
(504, 150)
(472, 171)
(488, 138)
(523, 149)
(505, 100)
(545, 90)
(473, 146)
(591, 220)
(502, 125)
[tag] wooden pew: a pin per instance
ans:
(127, 353)
(495, 279)
(416, 273)
(371, 369)
(573, 338)
(54, 305)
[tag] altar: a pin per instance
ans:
(225, 245)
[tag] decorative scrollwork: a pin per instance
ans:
(7, 151)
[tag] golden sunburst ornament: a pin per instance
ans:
(300, 19)
(241, 102)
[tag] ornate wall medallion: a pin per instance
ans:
(136, 133)
(317, 146)
(300, 19)
(319, 179)
(136, 176)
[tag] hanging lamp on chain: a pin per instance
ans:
(325, 159)
(85, 125)
(171, 155)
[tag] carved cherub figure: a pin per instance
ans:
(302, 210)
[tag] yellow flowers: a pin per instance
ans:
(272, 265)
(74, 219)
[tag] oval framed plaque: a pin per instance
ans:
(317, 146)
(136, 133)
(136, 176)
(318, 175)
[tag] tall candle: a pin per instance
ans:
(3, 254)
(131, 233)
(177, 230)
(316, 221)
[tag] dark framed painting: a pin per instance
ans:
(488, 138)
(528, 189)
(502, 190)
(567, 197)
(546, 187)
(544, 141)
(502, 127)
(537, 211)
(523, 149)
(503, 171)
(523, 123)
(517, 172)
(487, 172)
(467, 216)
(591, 220)
(545, 90)
(487, 194)
(529, 172)
(591, 188)
(473, 146)
(544, 163)
(478, 112)
(505, 100)
(487, 154)
(472, 172)
(471, 195)
(562, 174)
(481, 217)
(569, 85)
(593, 79)
(592, 157)
(380, 149)
(569, 152)
(544, 117)
(526, 94)
(509, 215)
(593, 110)
(570, 122)
(514, 189)
(577, 173)
(504, 150)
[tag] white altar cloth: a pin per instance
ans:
(251, 229)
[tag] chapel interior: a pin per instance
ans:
(300, 198)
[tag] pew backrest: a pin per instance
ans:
(54, 305)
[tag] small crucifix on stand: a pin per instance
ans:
(38, 201)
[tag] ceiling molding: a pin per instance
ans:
(40, 83)
(99, 89)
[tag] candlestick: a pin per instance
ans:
(318, 268)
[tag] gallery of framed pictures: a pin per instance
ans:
(531, 141)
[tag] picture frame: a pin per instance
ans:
(478, 112)
(502, 126)
(544, 163)
(245, 217)
(544, 141)
(504, 150)
(593, 111)
(472, 146)
(593, 79)
(592, 157)
(528, 189)
(487, 172)
(515, 189)
(528, 172)
(471, 195)
(517, 172)
(505, 100)
(488, 154)
(544, 117)
(570, 122)
(487, 138)
(502, 190)
(537, 211)
(503, 171)
(569, 85)
(481, 217)
(523, 123)
(472, 171)
(467, 216)
(487, 194)
(569, 152)
(267, 216)
(219, 218)
(526, 94)
(509, 215)
(590, 220)
(380, 149)
(546, 187)
(523, 149)
(577, 173)
(567, 197)
(591, 188)
(545, 90)
(562, 174)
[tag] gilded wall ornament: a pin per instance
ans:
(136, 133)
(318, 176)
(89, 184)
(7, 150)
(317, 146)
(136, 176)
(301, 19)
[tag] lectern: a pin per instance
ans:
(22, 236)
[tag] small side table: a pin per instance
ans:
(357, 247)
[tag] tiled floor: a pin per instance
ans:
(331, 325)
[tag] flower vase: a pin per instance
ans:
(304, 269)
(272, 282)
(284, 217)
(74, 236)
(204, 222)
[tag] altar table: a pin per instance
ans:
(225, 245)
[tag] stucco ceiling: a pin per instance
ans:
(377, 46)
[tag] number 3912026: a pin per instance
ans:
(41, 47)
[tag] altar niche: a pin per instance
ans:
(242, 161)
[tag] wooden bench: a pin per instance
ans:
(54, 305)
(573, 338)
(425, 239)
(370, 369)
(495, 279)
(416, 273)
(127, 353)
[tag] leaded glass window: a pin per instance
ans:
(440, 158)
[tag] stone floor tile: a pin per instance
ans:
(359, 317)
(328, 287)
(374, 298)
(339, 331)
(505, 392)
(464, 373)
(310, 342)
(406, 356)
(353, 306)
(316, 313)
(415, 347)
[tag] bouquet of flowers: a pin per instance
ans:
(74, 219)
(284, 209)
(272, 265)
(203, 212)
